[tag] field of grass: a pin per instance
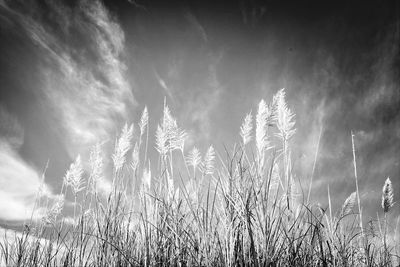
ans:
(238, 207)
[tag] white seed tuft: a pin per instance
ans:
(387, 195)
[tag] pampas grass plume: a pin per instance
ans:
(144, 120)
(208, 162)
(74, 176)
(135, 157)
(122, 146)
(96, 166)
(283, 116)
(387, 195)
(194, 157)
(261, 127)
(161, 140)
(55, 210)
(246, 128)
(348, 204)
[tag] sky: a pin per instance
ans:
(73, 72)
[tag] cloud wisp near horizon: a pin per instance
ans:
(74, 72)
(82, 88)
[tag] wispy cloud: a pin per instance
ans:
(19, 184)
(365, 102)
(203, 103)
(83, 72)
(200, 101)
(192, 19)
(83, 88)
(163, 85)
(194, 91)
(11, 130)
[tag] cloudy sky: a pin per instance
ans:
(73, 72)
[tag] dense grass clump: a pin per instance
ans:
(240, 207)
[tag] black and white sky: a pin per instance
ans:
(73, 72)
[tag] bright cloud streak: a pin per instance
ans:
(83, 88)
(83, 84)
(19, 184)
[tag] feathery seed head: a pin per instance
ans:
(387, 195)
(146, 180)
(246, 128)
(122, 146)
(169, 123)
(208, 163)
(194, 157)
(161, 141)
(74, 176)
(144, 120)
(261, 127)
(175, 137)
(96, 166)
(275, 177)
(348, 204)
(169, 136)
(135, 157)
(283, 116)
(168, 120)
(277, 100)
(54, 211)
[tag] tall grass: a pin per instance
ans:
(237, 208)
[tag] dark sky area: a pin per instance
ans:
(74, 72)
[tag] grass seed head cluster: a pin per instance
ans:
(239, 207)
